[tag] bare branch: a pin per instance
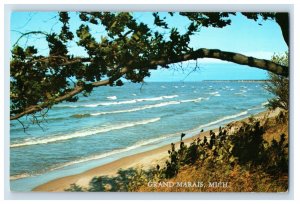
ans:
(28, 33)
(23, 126)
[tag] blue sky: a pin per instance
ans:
(242, 36)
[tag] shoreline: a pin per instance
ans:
(144, 160)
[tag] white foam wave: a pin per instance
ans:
(83, 133)
(265, 103)
(137, 109)
(130, 101)
(242, 94)
(191, 100)
(224, 118)
(111, 97)
(110, 103)
(19, 176)
(214, 93)
(262, 105)
(135, 146)
(101, 156)
(147, 107)
(172, 96)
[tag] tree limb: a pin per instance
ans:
(225, 56)
(75, 91)
(200, 53)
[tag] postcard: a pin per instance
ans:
(149, 101)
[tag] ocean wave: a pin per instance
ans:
(19, 176)
(172, 96)
(255, 108)
(261, 106)
(191, 100)
(144, 107)
(111, 97)
(224, 119)
(214, 93)
(113, 152)
(134, 146)
(239, 93)
(120, 102)
(82, 133)
(102, 155)
(137, 109)
(109, 103)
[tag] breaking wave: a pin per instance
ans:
(111, 97)
(102, 155)
(82, 133)
(138, 108)
(119, 102)
(224, 119)
(134, 146)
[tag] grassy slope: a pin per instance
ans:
(240, 178)
(249, 156)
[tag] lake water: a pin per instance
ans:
(119, 121)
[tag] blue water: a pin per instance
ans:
(118, 121)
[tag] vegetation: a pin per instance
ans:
(279, 86)
(127, 49)
(245, 159)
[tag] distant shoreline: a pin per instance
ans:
(213, 80)
(247, 80)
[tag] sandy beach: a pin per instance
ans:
(144, 160)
